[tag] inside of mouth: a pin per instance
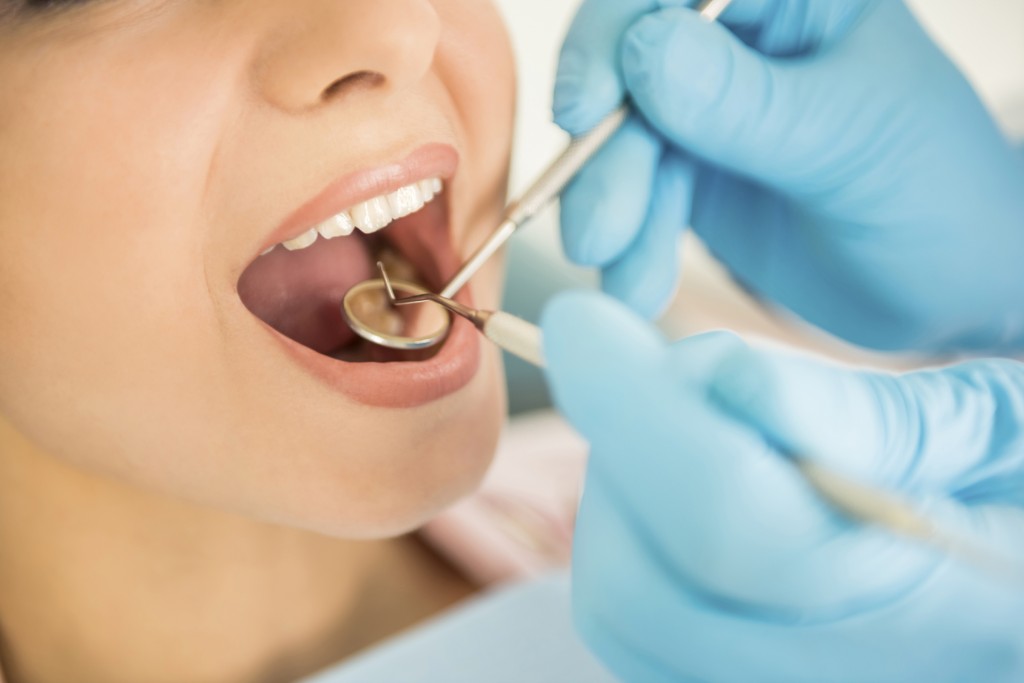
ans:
(299, 294)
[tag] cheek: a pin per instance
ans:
(101, 174)
(419, 465)
(475, 61)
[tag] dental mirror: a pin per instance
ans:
(368, 311)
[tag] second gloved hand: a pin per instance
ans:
(827, 152)
(702, 554)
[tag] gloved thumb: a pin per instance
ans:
(925, 432)
(708, 92)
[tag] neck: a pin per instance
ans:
(127, 585)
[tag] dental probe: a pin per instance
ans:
(515, 335)
(869, 505)
(551, 183)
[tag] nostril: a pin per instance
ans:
(361, 80)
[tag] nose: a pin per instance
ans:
(321, 50)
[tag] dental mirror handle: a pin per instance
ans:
(520, 338)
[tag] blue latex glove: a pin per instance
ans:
(702, 555)
(827, 152)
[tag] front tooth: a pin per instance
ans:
(427, 190)
(337, 226)
(405, 201)
(304, 240)
(373, 215)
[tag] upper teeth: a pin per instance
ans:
(370, 216)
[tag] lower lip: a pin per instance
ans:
(398, 384)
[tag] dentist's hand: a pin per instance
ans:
(702, 555)
(827, 152)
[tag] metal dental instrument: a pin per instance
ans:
(862, 503)
(545, 189)
(515, 335)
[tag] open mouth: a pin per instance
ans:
(297, 286)
(400, 214)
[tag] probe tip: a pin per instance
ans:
(387, 281)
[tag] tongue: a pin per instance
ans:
(299, 293)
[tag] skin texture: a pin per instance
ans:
(171, 481)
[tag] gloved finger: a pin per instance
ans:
(705, 90)
(646, 275)
(792, 28)
(589, 82)
(604, 207)
(954, 429)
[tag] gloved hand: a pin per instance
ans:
(827, 152)
(702, 555)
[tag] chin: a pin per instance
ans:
(414, 463)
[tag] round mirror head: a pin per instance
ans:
(368, 310)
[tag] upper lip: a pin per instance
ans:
(435, 160)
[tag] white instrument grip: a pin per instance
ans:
(516, 336)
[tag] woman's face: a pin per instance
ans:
(151, 150)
